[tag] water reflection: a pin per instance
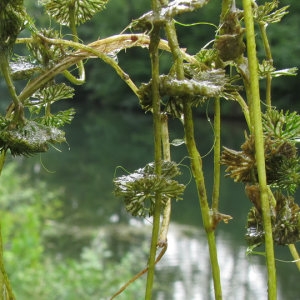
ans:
(184, 271)
(241, 278)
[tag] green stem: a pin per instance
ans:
(196, 161)
(45, 77)
(217, 153)
(81, 79)
(5, 286)
(18, 106)
(154, 55)
(226, 7)
(245, 109)
(263, 30)
(259, 148)
(197, 170)
(99, 49)
(295, 254)
(166, 156)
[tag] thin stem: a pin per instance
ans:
(217, 153)
(83, 53)
(259, 148)
(135, 277)
(226, 7)
(154, 55)
(80, 65)
(196, 164)
(295, 255)
(98, 49)
(245, 109)
(166, 156)
(5, 287)
(263, 30)
(18, 106)
(196, 161)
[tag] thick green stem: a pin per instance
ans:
(256, 122)
(154, 55)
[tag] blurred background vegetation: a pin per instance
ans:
(50, 221)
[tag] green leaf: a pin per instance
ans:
(282, 125)
(267, 14)
(267, 68)
(29, 138)
(83, 10)
(58, 120)
(139, 188)
(49, 95)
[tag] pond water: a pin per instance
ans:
(99, 142)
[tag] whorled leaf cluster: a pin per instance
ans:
(268, 13)
(28, 138)
(82, 10)
(281, 133)
(197, 87)
(285, 219)
(140, 188)
(39, 105)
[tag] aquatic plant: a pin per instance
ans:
(225, 69)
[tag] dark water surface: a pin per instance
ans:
(100, 144)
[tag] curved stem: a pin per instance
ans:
(259, 148)
(99, 49)
(81, 71)
(18, 106)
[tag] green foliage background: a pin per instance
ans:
(36, 273)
